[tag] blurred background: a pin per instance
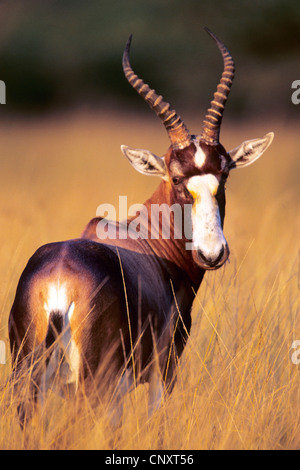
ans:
(57, 54)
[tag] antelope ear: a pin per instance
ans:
(249, 151)
(145, 162)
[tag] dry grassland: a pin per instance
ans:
(237, 386)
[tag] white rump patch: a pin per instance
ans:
(57, 299)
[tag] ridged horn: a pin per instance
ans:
(213, 119)
(177, 131)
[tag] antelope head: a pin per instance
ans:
(196, 167)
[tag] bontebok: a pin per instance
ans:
(109, 314)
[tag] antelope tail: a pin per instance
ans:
(62, 356)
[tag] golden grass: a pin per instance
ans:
(237, 387)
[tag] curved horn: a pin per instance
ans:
(177, 131)
(213, 118)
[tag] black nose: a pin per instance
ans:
(211, 262)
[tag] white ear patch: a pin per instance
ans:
(250, 150)
(145, 161)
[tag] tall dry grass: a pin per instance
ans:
(237, 387)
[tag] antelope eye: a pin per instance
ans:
(176, 180)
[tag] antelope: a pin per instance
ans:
(111, 313)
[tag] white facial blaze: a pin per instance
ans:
(200, 156)
(208, 235)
